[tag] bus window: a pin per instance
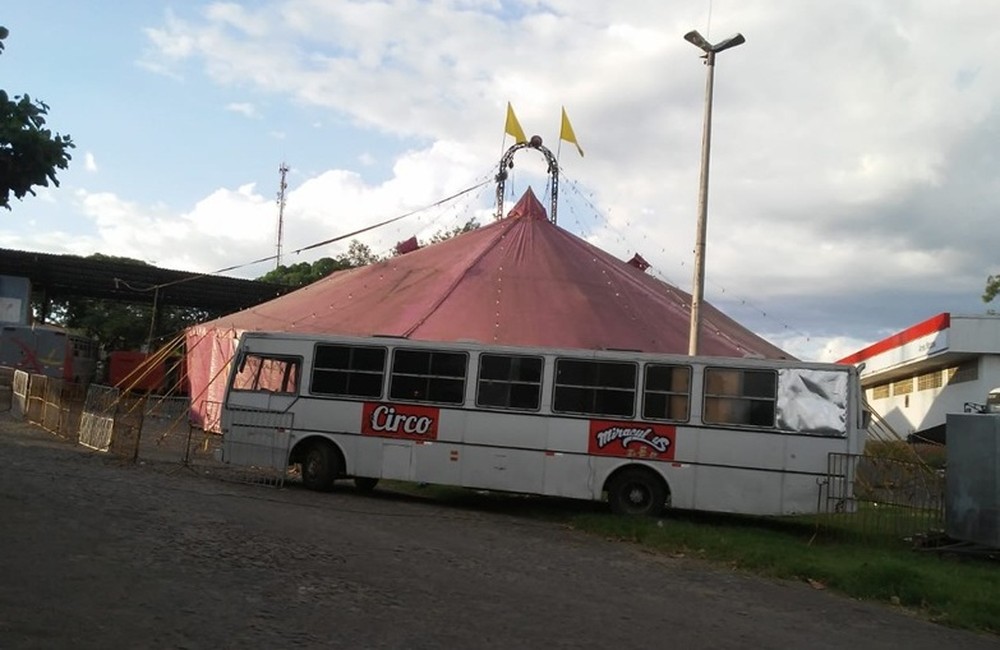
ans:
(666, 393)
(509, 381)
(267, 374)
(348, 370)
(740, 396)
(595, 387)
(428, 376)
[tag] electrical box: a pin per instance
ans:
(972, 495)
(15, 300)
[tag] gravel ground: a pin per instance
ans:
(98, 554)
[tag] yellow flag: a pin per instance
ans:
(566, 132)
(513, 127)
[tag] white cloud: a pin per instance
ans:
(89, 162)
(244, 108)
(822, 348)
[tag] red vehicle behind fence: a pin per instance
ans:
(147, 373)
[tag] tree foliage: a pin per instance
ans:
(126, 326)
(442, 235)
(30, 154)
(358, 254)
(992, 288)
(303, 273)
(119, 325)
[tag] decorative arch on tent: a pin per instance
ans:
(507, 162)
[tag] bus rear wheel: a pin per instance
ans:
(320, 467)
(637, 492)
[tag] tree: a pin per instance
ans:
(303, 273)
(29, 153)
(992, 288)
(442, 235)
(119, 325)
(358, 254)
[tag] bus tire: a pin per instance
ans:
(321, 466)
(365, 484)
(637, 492)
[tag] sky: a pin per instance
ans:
(855, 172)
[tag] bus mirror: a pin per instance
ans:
(866, 418)
(241, 362)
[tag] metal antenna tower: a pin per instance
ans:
(283, 170)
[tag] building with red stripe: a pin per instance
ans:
(915, 377)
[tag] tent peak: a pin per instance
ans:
(528, 207)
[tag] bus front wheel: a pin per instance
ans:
(320, 467)
(637, 492)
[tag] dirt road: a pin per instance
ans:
(94, 554)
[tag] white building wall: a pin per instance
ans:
(923, 409)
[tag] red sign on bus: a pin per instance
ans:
(400, 421)
(632, 439)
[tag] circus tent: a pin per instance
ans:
(521, 280)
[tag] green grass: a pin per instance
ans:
(957, 590)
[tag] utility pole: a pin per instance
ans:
(698, 291)
(283, 171)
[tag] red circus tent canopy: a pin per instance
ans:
(520, 281)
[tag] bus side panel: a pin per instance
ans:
(754, 492)
(523, 431)
(727, 447)
(397, 459)
(570, 475)
(503, 451)
(767, 450)
(362, 455)
(800, 494)
(729, 489)
(499, 468)
(438, 462)
(810, 453)
(401, 457)
(778, 475)
(569, 471)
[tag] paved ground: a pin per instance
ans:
(95, 554)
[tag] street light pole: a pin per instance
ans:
(698, 291)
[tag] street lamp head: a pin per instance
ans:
(699, 41)
(732, 41)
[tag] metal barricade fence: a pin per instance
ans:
(135, 426)
(6, 388)
(263, 447)
(36, 398)
(97, 422)
(52, 412)
(167, 434)
(212, 415)
(127, 434)
(878, 497)
(20, 393)
(61, 406)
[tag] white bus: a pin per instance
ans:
(706, 433)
